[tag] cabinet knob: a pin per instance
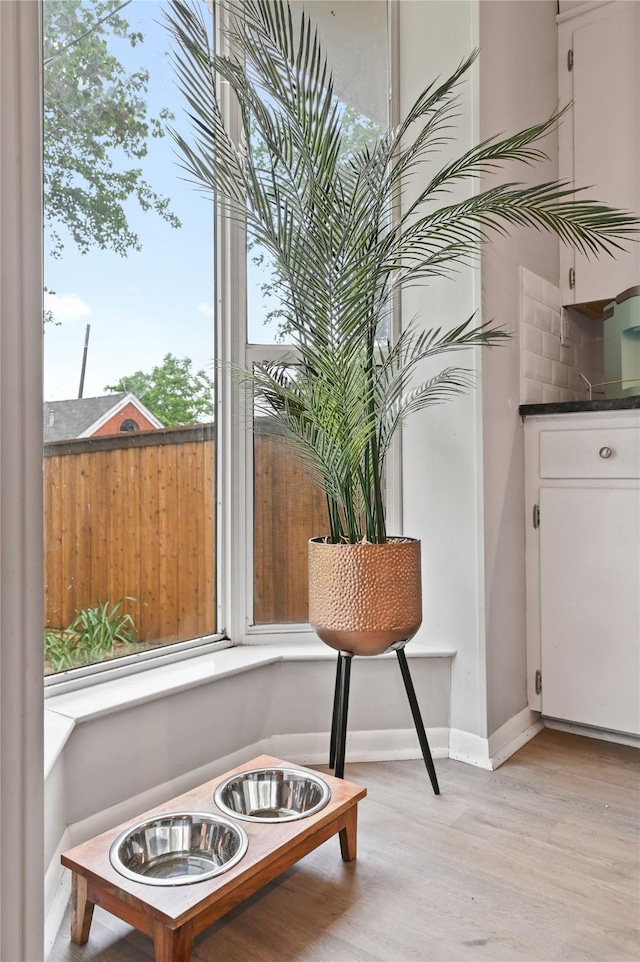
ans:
(605, 452)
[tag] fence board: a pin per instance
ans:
(148, 525)
(117, 537)
(101, 575)
(82, 534)
(53, 541)
(289, 509)
(131, 522)
(187, 561)
(167, 544)
(206, 486)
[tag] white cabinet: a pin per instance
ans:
(599, 140)
(583, 568)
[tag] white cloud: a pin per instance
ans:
(207, 309)
(66, 307)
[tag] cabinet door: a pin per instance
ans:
(590, 606)
(606, 137)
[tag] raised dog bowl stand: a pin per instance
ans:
(174, 915)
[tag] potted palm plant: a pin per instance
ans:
(343, 247)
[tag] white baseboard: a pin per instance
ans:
(619, 738)
(469, 748)
(511, 736)
(362, 746)
(491, 752)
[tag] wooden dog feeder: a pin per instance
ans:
(174, 915)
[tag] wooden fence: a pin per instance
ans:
(134, 516)
(288, 510)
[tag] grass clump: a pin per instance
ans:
(96, 633)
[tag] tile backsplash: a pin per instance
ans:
(549, 370)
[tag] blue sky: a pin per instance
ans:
(152, 302)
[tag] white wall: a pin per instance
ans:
(442, 446)
(463, 463)
(518, 87)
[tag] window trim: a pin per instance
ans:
(87, 675)
(21, 525)
(231, 401)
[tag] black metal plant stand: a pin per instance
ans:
(341, 709)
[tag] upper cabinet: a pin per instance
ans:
(599, 139)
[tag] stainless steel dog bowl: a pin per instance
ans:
(272, 795)
(178, 848)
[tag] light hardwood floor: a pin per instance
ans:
(537, 861)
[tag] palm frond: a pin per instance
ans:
(448, 383)
(340, 242)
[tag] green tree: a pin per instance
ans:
(96, 124)
(175, 393)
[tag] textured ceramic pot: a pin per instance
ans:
(363, 598)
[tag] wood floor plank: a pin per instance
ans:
(538, 862)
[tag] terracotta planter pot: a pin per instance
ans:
(363, 598)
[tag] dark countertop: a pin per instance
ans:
(572, 407)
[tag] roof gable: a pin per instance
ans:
(80, 417)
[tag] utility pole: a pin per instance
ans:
(84, 360)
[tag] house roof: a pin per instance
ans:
(80, 417)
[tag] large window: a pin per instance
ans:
(138, 424)
(129, 345)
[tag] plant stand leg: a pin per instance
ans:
(341, 737)
(417, 718)
(336, 713)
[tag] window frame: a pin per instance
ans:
(87, 675)
(234, 437)
(250, 353)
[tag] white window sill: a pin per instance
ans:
(63, 712)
